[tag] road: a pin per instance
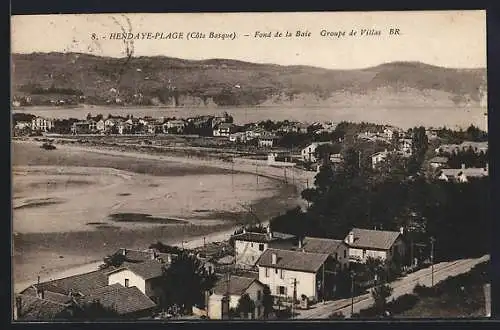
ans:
(400, 287)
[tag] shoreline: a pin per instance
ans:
(220, 233)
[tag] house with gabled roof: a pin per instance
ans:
(438, 161)
(127, 302)
(235, 287)
(146, 276)
(35, 308)
(463, 174)
(337, 249)
(249, 246)
(383, 244)
(224, 129)
(76, 286)
(286, 271)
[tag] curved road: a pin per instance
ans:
(400, 287)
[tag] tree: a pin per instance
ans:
(267, 301)
(245, 305)
(380, 294)
(114, 260)
(185, 282)
(323, 151)
(93, 311)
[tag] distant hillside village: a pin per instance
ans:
(457, 155)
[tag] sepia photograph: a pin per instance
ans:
(250, 166)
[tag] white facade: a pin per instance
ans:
(309, 152)
(255, 291)
(281, 282)
(357, 254)
(41, 124)
(101, 125)
(128, 278)
(342, 256)
(247, 253)
(266, 142)
(378, 158)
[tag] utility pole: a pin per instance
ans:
(284, 170)
(294, 297)
(432, 260)
(204, 242)
(232, 174)
(352, 292)
(323, 283)
(257, 173)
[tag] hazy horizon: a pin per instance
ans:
(450, 39)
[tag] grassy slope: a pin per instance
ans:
(96, 75)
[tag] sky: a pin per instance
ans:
(444, 38)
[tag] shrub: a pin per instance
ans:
(424, 291)
(403, 303)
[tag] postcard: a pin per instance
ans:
(250, 166)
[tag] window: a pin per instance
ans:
(126, 282)
(282, 275)
(261, 247)
(364, 253)
(267, 272)
(276, 270)
(251, 244)
(345, 253)
(281, 290)
(336, 256)
(258, 295)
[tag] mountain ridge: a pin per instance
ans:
(92, 79)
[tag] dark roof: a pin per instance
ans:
(321, 245)
(147, 269)
(442, 160)
(261, 237)
(225, 125)
(37, 309)
(293, 260)
(376, 239)
(237, 285)
(123, 300)
(82, 283)
(139, 256)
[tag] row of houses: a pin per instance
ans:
(302, 267)
(476, 147)
(131, 289)
(287, 266)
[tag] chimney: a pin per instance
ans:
(124, 252)
(350, 238)
(18, 309)
(274, 258)
(169, 258)
(269, 232)
(402, 230)
(244, 230)
(40, 293)
(463, 166)
(300, 243)
(153, 254)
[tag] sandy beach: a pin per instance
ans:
(63, 200)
